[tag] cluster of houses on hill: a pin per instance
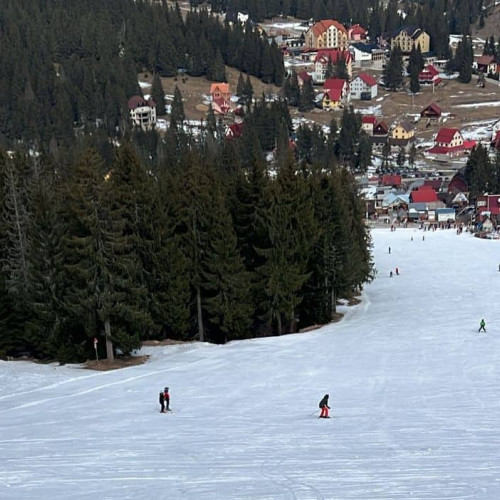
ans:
(392, 199)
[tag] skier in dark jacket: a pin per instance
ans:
(166, 396)
(323, 404)
(162, 402)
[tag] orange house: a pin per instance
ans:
(220, 91)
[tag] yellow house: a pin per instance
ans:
(331, 99)
(404, 131)
(409, 37)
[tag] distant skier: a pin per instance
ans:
(482, 326)
(162, 402)
(397, 271)
(390, 274)
(412, 238)
(423, 238)
(166, 396)
(389, 249)
(323, 404)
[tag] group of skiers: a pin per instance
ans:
(164, 400)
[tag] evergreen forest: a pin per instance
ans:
(127, 235)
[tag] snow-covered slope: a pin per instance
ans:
(414, 390)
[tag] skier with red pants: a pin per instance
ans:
(166, 396)
(323, 404)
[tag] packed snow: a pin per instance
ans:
(478, 105)
(413, 389)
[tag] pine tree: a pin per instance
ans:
(177, 116)
(341, 69)
(228, 304)
(479, 172)
(291, 89)
(463, 60)
(216, 70)
(292, 232)
(99, 262)
(240, 88)
(393, 72)
(158, 95)
(248, 93)
(307, 96)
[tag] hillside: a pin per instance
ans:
(491, 23)
(413, 389)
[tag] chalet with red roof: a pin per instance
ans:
(391, 180)
(367, 123)
(326, 34)
(488, 205)
(235, 129)
(429, 76)
(364, 87)
(495, 143)
(458, 184)
(431, 112)
(142, 112)
(357, 33)
(425, 194)
(487, 64)
(380, 133)
(323, 58)
(303, 77)
(335, 92)
(449, 141)
(221, 98)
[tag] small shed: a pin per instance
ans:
(432, 111)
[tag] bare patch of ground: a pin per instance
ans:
(391, 107)
(193, 90)
(124, 362)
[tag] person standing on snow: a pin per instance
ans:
(166, 396)
(162, 402)
(323, 404)
(482, 326)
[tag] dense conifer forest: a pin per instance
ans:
(128, 235)
(438, 18)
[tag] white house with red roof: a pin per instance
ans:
(235, 129)
(142, 112)
(364, 87)
(487, 64)
(488, 205)
(323, 58)
(357, 33)
(450, 142)
(335, 93)
(367, 123)
(429, 76)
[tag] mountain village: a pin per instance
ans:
(419, 149)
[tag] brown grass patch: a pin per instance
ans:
(105, 365)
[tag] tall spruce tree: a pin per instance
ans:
(393, 72)
(158, 95)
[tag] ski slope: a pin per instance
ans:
(414, 391)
